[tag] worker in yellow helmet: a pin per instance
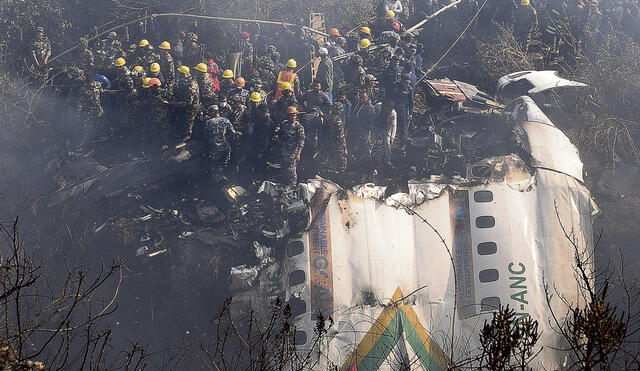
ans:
(365, 33)
(156, 72)
(227, 83)
(288, 75)
(186, 101)
(205, 85)
(144, 54)
(167, 65)
(123, 81)
(389, 22)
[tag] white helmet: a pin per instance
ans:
(323, 51)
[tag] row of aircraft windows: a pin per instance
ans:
(487, 248)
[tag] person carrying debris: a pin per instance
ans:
(186, 100)
(286, 149)
(218, 133)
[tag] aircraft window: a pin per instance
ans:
(296, 278)
(483, 196)
(488, 275)
(487, 248)
(485, 222)
(298, 306)
(490, 303)
(300, 337)
(295, 248)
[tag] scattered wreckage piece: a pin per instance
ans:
(530, 83)
(445, 95)
(381, 266)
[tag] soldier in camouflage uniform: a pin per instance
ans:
(218, 133)
(86, 60)
(525, 20)
(285, 150)
(192, 50)
(88, 108)
(266, 69)
(205, 85)
(355, 79)
(186, 100)
(144, 54)
(111, 47)
(153, 114)
(167, 65)
(332, 145)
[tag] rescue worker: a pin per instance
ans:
(167, 65)
(241, 53)
(332, 145)
(154, 72)
(86, 59)
(144, 54)
(111, 47)
(324, 73)
(124, 87)
(89, 91)
(384, 133)
(238, 91)
(256, 87)
(155, 114)
(186, 100)
(525, 20)
(391, 75)
(390, 23)
(218, 133)
(289, 76)
(226, 84)
(213, 70)
(286, 149)
(360, 126)
(137, 74)
(311, 122)
(265, 68)
(192, 50)
(354, 76)
(40, 49)
(205, 85)
(286, 100)
(401, 95)
(316, 98)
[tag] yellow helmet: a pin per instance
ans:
(184, 69)
(120, 62)
(145, 82)
(366, 30)
(285, 85)
(227, 74)
(292, 110)
(143, 42)
(291, 63)
(389, 14)
(201, 67)
(365, 43)
(255, 97)
(524, 2)
(155, 67)
(138, 69)
(165, 45)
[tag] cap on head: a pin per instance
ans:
(120, 62)
(213, 109)
(227, 74)
(285, 85)
(365, 43)
(241, 82)
(184, 70)
(255, 97)
(292, 110)
(389, 14)
(334, 32)
(143, 42)
(165, 45)
(201, 67)
(365, 30)
(291, 63)
(154, 67)
(39, 29)
(245, 35)
(154, 81)
(323, 51)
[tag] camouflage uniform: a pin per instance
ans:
(89, 99)
(289, 139)
(169, 69)
(526, 21)
(332, 145)
(112, 49)
(187, 100)
(192, 53)
(205, 86)
(218, 133)
(144, 56)
(86, 60)
(41, 49)
(153, 117)
(266, 69)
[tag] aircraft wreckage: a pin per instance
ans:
(400, 273)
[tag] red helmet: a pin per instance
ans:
(154, 81)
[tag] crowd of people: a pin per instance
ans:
(261, 109)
